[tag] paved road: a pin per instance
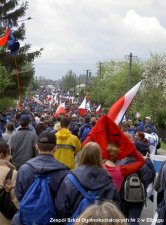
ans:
(148, 211)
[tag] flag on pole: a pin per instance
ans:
(4, 39)
(88, 106)
(119, 108)
(82, 108)
(107, 131)
(60, 109)
(98, 110)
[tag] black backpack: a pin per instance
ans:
(7, 208)
(133, 189)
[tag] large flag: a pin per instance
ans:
(82, 108)
(98, 110)
(4, 39)
(60, 109)
(107, 131)
(119, 108)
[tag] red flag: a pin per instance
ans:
(60, 109)
(119, 108)
(106, 131)
(98, 110)
(82, 108)
(4, 39)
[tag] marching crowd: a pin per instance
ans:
(39, 151)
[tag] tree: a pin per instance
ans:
(69, 81)
(112, 81)
(12, 11)
(4, 79)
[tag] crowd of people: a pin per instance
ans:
(38, 146)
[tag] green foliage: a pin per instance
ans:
(163, 145)
(69, 81)
(4, 79)
(12, 11)
(112, 81)
(6, 103)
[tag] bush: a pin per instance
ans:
(6, 103)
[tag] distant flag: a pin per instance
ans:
(82, 108)
(60, 109)
(98, 110)
(48, 97)
(119, 108)
(88, 106)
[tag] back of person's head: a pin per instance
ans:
(65, 122)
(104, 213)
(91, 155)
(50, 123)
(113, 150)
(46, 141)
(10, 126)
(148, 130)
(42, 119)
(4, 149)
(24, 120)
(140, 135)
(87, 119)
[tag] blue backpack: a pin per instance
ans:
(37, 207)
(85, 134)
(89, 198)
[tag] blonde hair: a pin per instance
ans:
(113, 150)
(91, 155)
(105, 213)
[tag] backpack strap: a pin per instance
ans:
(7, 181)
(9, 175)
(77, 184)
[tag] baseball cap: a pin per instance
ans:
(148, 118)
(47, 137)
(25, 118)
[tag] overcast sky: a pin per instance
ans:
(76, 34)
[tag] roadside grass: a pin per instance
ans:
(163, 145)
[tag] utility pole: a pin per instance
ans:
(100, 69)
(130, 57)
(87, 79)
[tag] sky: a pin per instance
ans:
(78, 34)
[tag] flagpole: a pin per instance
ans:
(18, 83)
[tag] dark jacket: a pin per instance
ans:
(81, 130)
(41, 164)
(143, 148)
(91, 178)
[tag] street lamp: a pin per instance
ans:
(29, 18)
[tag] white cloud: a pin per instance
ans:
(94, 30)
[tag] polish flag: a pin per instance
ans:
(82, 108)
(119, 108)
(98, 110)
(60, 109)
(48, 97)
(88, 106)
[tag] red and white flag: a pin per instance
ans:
(60, 109)
(98, 110)
(82, 108)
(119, 108)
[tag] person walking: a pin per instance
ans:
(5, 167)
(92, 177)
(68, 145)
(23, 143)
(43, 164)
